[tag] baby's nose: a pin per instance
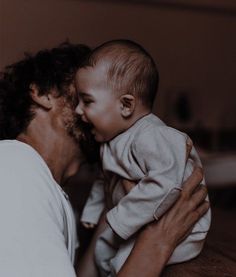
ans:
(78, 110)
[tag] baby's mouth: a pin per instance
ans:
(93, 130)
(83, 118)
(88, 127)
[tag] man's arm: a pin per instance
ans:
(172, 228)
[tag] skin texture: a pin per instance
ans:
(172, 228)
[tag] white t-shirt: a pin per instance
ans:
(37, 226)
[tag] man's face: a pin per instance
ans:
(98, 104)
(71, 122)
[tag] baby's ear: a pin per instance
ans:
(44, 100)
(127, 105)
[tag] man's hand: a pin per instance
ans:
(178, 222)
(160, 238)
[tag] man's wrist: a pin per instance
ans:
(143, 259)
(157, 242)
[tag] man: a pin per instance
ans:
(42, 144)
(38, 236)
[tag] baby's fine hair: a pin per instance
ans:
(131, 69)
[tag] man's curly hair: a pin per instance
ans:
(48, 69)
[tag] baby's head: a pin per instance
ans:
(117, 85)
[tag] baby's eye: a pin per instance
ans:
(87, 101)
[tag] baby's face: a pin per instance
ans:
(98, 104)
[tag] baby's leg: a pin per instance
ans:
(121, 256)
(86, 265)
(105, 249)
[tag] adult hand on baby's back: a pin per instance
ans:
(178, 222)
(160, 238)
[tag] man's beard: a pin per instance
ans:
(73, 127)
(81, 133)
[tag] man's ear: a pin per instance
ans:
(127, 104)
(45, 101)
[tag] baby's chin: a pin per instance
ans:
(99, 138)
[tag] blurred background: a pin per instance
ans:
(193, 42)
(194, 45)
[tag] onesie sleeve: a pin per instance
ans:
(161, 155)
(95, 203)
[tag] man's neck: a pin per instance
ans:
(61, 154)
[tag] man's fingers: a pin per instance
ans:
(189, 145)
(193, 218)
(200, 211)
(199, 195)
(193, 181)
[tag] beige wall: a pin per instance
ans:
(195, 51)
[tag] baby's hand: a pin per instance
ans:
(88, 225)
(127, 185)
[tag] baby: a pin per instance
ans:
(117, 86)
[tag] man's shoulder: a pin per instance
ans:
(14, 147)
(20, 163)
(24, 174)
(20, 154)
(33, 213)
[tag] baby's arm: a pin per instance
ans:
(94, 206)
(161, 154)
(88, 225)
